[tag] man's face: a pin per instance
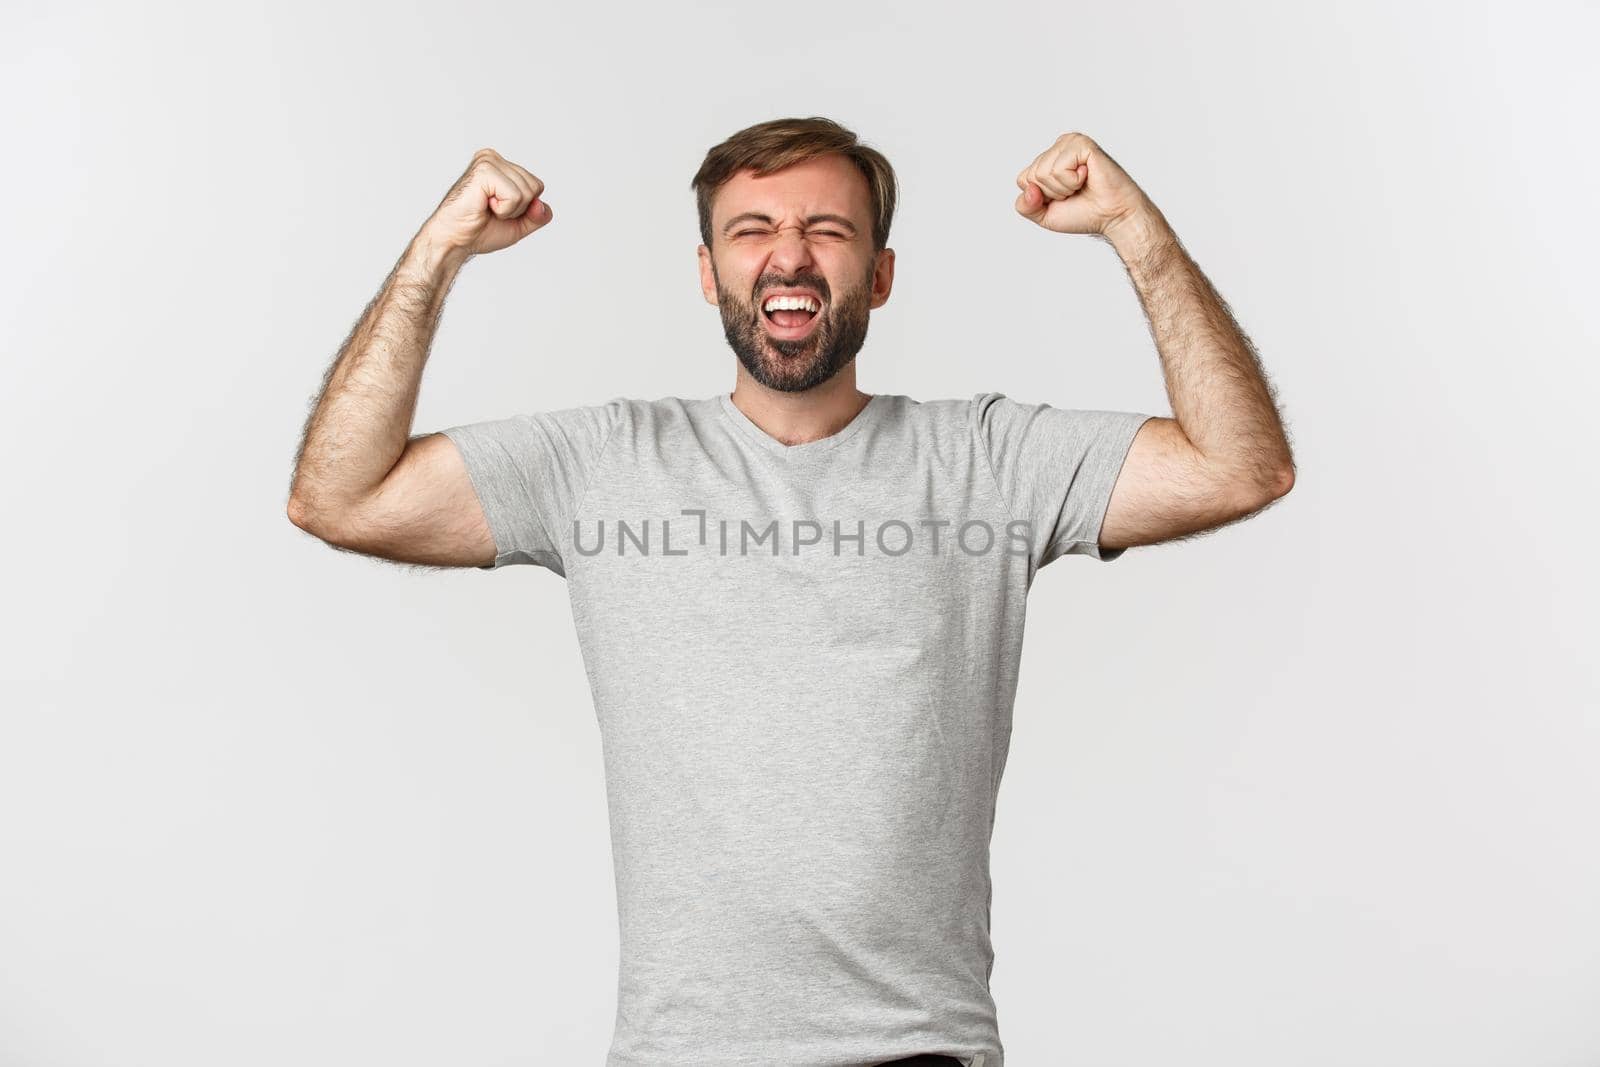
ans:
(807, 230)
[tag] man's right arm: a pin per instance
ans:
(361, 482)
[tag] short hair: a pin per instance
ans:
(778, 143)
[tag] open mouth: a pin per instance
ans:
(791, 323)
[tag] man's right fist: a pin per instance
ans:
(493, 205)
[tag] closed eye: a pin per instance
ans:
(820, 233)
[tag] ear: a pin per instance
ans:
(708, 278)
(882, 278)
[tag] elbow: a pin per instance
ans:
(319, 521)
(299, 512)
(1272, 478)
(1250, 495)
(1283, 481)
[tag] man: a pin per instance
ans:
(800, 605)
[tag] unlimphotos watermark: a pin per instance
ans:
(741, 537)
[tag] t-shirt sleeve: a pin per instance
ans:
(530, 473)
(1055, 468)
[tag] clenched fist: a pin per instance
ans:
(493, 205)
(1074, 187)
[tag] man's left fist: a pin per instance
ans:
(1074, 187)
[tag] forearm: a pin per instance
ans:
(361, 421)
(1219, 394)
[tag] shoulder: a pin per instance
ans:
(663, 413)
(633, 424)
(942, 417)
(923, 414)
(939, 428)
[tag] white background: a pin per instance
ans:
(1316, 789)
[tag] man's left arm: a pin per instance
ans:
(1225, 455)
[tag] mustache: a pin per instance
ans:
(802, 282)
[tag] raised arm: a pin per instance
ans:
(361, 482)
(1225, 455)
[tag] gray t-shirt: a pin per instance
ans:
(803, 660)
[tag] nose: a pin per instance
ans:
(790, 251)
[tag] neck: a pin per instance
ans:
(800, 418)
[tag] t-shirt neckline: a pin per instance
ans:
(868, 413)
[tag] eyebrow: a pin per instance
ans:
(752, 216)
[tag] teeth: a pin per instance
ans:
(792, 303)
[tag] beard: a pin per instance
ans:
(793, 366)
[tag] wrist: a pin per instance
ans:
(1141, 234)
(431, 258)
